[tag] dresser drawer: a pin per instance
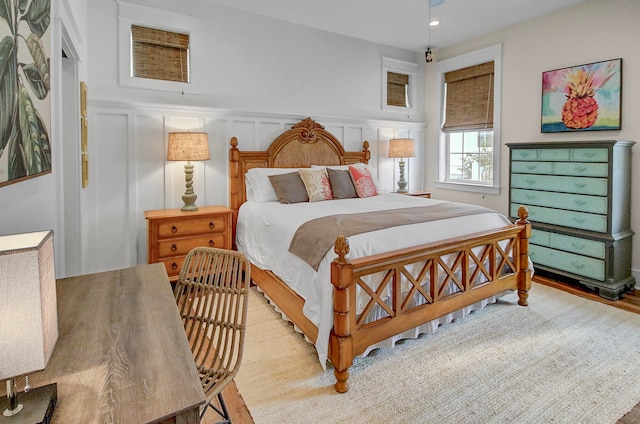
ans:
(554, 155)
(200, 225)
(586, 154)
(574, 202)
(569, 262)
(581, 169)
(580, 220)
(592, 186)
(173, 247)
(531, 167)
(578, 245)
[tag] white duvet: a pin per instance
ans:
(265, 230)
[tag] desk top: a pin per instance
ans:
(122, 355)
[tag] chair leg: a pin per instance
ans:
(222, 411)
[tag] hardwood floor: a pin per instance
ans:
(630, 301)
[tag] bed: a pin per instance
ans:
(370, 293)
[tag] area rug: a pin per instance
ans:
(563, 359)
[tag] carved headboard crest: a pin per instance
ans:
(308, 130)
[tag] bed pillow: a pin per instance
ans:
(341, 184)
(316, 181)
(363, 182)
(289, 188)
(258, 186)
(358, 165)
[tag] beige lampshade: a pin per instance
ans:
(188, 146)
(28, 309)
(401, 148)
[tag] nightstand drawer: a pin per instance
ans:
(177, 228)
(173, 266)
(174, 247)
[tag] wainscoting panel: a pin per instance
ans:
(130, 173)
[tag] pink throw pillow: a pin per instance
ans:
(363, 182)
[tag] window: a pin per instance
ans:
(470, 136)
(399, 90)
(159, 54)
(157, 49)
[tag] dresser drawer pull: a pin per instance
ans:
(589, 154)
(211, 225)
(530, 197)
(531, 167)
(211, 243)
(174, 266)
(577, 265)
(581, 168)
(174, 229)
(174, 247)
(580, 202)
(579, 220)
(530, 181)
(524, 154)
(580, 185)
(577, 246)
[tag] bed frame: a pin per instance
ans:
(500, 257)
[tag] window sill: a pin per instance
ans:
(470, 187)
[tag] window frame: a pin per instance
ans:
(134, 14)
(405, 68)
(491, 53)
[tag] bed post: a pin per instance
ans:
(524, 277)
(341, 340)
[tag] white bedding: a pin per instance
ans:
(265, 230)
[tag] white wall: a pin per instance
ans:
(255, 77)
(593, 31)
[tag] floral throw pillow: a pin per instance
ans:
(316, 181)
(363, 182)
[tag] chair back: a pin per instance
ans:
(212, 295)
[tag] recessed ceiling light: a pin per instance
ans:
(434, 23)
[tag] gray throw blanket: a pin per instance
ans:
(314, 238)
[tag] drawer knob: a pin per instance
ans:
(580, 185)
(530, 181)
(212, 225)
(577, 246)
(530, 197)
(581, 168)
(531, 167)
(174, 229)
(577, 265)
(174, 247)
(579, 220)
(174, 266)
(580, 202)
(211, 243)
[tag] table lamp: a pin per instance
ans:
(401, 148)
(188, 146)
(28, 321)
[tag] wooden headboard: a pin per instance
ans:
(306, 143)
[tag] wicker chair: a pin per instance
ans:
(212, 297)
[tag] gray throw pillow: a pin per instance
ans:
(341, 184)
(289, 188)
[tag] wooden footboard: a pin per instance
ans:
(477, 267)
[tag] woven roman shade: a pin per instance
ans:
(469, 98)
(397, 89)
(159, 54)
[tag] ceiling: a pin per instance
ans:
(403, 23)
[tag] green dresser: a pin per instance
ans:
(578, 196)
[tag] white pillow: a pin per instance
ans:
(258, 186)
(359, 165)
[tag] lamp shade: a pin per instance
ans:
(28, 309)
(401, 148)
(188, 146)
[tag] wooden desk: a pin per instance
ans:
(122, 355)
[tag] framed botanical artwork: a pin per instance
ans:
(582, 98)
(25, 103)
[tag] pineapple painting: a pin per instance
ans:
(583, 97)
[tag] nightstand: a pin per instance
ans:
(425, 194)
(172, 233)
